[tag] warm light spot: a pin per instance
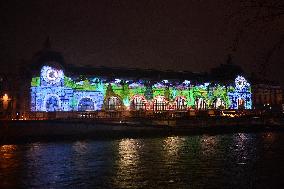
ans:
(127, 162)
(173, 145)
(128, 152)
(6, 151)
(5, 97)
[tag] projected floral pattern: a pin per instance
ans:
(54, 91)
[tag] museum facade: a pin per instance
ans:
(55, 88)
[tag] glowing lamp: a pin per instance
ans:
(5, 98)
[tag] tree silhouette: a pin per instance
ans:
(262, 12)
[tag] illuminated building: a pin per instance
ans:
(53, 90)
(51, 85)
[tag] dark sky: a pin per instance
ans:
(193, 35)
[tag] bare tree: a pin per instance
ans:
(258, 12)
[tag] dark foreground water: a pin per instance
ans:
(222, 161)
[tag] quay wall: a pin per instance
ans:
(54, 130)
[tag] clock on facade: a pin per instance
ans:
(240, 82)
(51, 75)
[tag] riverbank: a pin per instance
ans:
(59, 130)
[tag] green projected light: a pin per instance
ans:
(68, 94)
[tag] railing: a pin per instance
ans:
(109, 114)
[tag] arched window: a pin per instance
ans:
(86, 104)
(180, 103)
(159, 103)
(113, 103)
(52, 104)
(241, 103)
(200, 104)
(138, 103)
(219, 103)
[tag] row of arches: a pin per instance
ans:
(53, 103)
(218, 103)
(138, 102)
(160, 103)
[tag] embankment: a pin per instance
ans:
(59, 130)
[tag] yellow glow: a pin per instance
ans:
(127, 162)
(7, 156)
(173, 145)
(6, 151)
(128, 152)
(5, 97)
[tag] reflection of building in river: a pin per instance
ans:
(80, 147)
(243, 145)
(208, 144)
(128, 153)
(173, 145)
(7, 153)
(127, 163)
(10, 163)
(269, 136)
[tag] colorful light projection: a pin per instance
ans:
(53, 91)
(160, 103)
(113, 103)
(51, 76)
(240, 97)
(180, 103)
(138, 102)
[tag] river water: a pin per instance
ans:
(238, 160)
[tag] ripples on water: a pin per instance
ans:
(222, 161)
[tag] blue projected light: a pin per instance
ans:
(52, 95)
(241, 97)
(53, 91)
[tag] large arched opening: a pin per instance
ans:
(86, 104)
(52, 104)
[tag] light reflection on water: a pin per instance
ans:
(235, 160)
(7, 152)
(127, 162)
(173, 145)
(128, 153)
(208, 145)
(81, 147)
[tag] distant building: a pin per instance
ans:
(267, 96)
(7, 96)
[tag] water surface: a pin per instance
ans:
(222, 161)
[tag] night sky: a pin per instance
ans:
(193, 35)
